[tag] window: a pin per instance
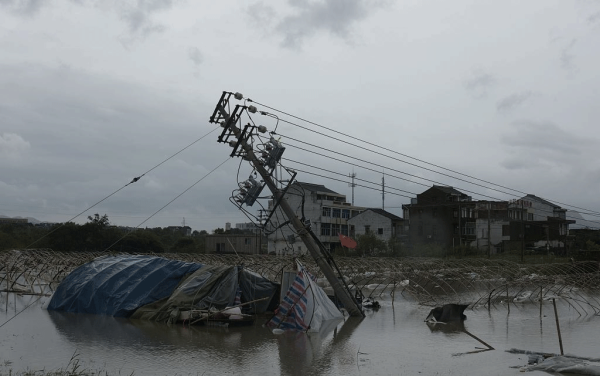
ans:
(299, 249)
(326, 212)
(455, 213)
(367, 229)
(345, 230)
(335, 229)
(319, 197)
(326, 229)
(380, 231)
(345, 213)
(247, 241)
(505, 230)
(220, 247)
(335, 213)
(530, 216)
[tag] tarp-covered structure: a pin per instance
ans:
(155, 288)
(305, 307)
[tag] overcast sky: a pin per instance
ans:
(96, 92)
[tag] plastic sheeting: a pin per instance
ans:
(118, 285)
(567, 365)
(305, 307)
(213, 287)
(154, 288)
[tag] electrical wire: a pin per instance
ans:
(168, 203)
(586, 211)
(123, 187)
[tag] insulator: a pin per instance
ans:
(223, 123)
(238, 96)
(262, 129)
(232, 143)
(252, 109)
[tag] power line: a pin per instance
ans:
(168, 203)
(435, 204)
(135, 179)
(404, 155)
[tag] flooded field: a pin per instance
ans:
(393, 340)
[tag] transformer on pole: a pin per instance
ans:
(270, 155)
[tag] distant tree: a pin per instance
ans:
(185, 245)
(101, 221)
(218, 231)
(369, 245)
(197, 233)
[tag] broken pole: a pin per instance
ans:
(558, 327)
(343, 294)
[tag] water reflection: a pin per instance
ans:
(393, 340)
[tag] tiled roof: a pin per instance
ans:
(448, 189)
(539, 199)
(387, 214)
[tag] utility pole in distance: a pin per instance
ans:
(229, 124)
(352, 175)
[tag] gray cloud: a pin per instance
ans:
(261, 15)
(23, 7)
(139, 19)
(514, 100)
(336, 17)
(566, 56)
(90, 135)
(594, 17)
(536, 144)
(195, 55)
(479, 83)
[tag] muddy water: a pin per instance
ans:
(391, 341)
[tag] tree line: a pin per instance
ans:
(99, 235)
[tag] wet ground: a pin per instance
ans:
(391, 341)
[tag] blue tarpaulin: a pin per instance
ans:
(118, 285)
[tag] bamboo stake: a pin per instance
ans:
(485, 344)
(541, 301)
(558, 327)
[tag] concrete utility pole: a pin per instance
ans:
(383, 192)
(489, 229)
(352, 175)
(347, 300)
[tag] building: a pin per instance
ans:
(538, 224)
(247, 227)
(247, 244)
(383, 224)
(449, 218)
(441, 215)
(492, 226)
(326, 211)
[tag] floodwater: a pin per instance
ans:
(393, 340)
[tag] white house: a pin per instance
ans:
(326, 211)
(383, 224)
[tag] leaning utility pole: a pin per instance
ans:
(229, 123)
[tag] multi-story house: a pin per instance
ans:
(326, 211)
(449, 218)
(492, 226)
(441, 215)
(539, 224)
